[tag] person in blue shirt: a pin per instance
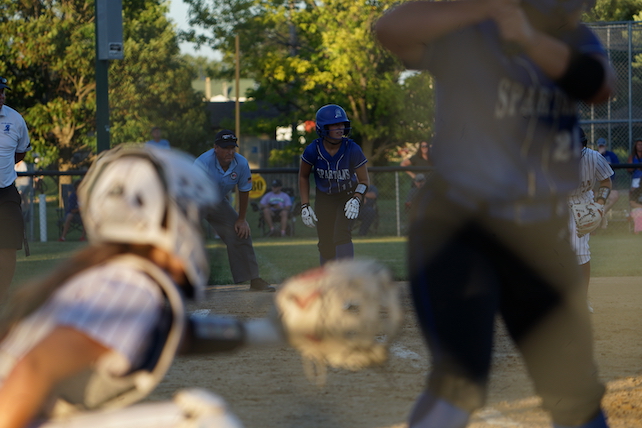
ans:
(489, 233)
(276, 204)
(229, 169)
(341, 180)
(157, 140)
(612, 159)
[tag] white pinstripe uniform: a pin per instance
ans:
(593, 168)
(115, 304)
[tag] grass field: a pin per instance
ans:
(613, 254)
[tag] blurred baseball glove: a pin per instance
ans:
(587, 217)
(343, 314)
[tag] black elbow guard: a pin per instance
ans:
(584, 76)
(212, 334)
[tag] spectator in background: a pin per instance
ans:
(368, 211)
(276, 204)
(417, 183)
(636, 157)
(420, 158)
(14, 144)
(635, 202)
(156, 140)
(612, 159)
(72, 212)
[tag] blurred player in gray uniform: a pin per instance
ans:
(489, 234)
(594, 168)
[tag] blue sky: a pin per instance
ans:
(178, 14)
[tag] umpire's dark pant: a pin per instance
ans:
(240, 252)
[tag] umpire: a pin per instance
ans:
(14, 144)
(229, 169)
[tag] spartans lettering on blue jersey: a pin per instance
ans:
(342, 174)
(334, 174)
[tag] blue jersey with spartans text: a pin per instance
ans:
(334, 174)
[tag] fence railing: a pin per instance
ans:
(393, 185)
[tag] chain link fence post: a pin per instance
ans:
(42, 205)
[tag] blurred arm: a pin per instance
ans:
(406, 29)
(60, 355)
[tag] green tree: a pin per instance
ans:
(306, 54)
(48, 53)
(613, 10)
(152, 85)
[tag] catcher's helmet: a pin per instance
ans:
(566, 6)
(329, 115)
(150, 196)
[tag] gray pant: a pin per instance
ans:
(240, 252)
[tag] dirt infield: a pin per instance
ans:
(267, 387)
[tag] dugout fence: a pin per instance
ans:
(41, 201)
(618, 121)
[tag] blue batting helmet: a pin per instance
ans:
(567, 6)
(329, 115)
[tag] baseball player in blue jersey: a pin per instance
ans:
(594, 168)
(341, 179)
(228, 170)
(490, 228)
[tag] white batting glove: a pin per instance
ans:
(352, 208)
(308, 216)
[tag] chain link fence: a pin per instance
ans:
(619, 121)
(387, 216)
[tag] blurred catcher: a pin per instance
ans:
(100, 332)
(81, 345)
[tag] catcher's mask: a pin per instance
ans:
(150, 196)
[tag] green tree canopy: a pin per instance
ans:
(306, 54)
(613, 10)
(47, 52)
